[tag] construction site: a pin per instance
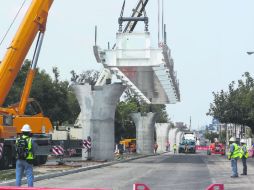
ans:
(120, 134)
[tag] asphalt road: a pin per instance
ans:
(161, 172)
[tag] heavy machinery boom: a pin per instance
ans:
(33, 22)
(27, 111)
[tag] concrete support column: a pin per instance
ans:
(97, 117)
(179, 136)
(162, 130)
(172, 137)
(144, 131)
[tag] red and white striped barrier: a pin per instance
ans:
(41, 188)
(1, 150)
(87, 144)
(202, 147)
(58, 150)
(139, 186)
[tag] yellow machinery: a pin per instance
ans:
(129, 144)
(27, 111)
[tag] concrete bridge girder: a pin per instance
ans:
(97, 117)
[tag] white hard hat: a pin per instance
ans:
(232, 139)
(243, 141)
(26, 128)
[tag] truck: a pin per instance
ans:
(187, 146)
(27, 110)
(188, 143)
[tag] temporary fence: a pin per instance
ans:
(41, 188)
(216, 186)
(139, 186)
(135, 187)
(198, 147)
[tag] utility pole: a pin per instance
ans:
(190, 123)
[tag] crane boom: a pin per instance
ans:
(33, 22)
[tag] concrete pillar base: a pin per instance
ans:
(97, 117)
(162, 130)
(144, 131)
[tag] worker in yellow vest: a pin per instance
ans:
(174, 147)
(25, 156)
(233, 155)
(245, 155)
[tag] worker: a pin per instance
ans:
(245, 155)
(25, 156)
(155, 147)
(233, 155)
(174, 147)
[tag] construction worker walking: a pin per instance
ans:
(245, 155)
(25, 156)
(174, 147)
(233, 155)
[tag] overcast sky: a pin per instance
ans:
(208, 39)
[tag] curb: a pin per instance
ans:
(72, 171)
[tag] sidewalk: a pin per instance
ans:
(220, 171)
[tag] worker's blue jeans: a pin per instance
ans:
(21, 167)
(234, 166)
(244, 165)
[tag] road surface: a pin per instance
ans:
(160, 172)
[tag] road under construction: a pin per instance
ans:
(161, 171)
(148, 72)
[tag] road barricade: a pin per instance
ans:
(139, 186)
(198, 147)
(41, 188)
(216, 186)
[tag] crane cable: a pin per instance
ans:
(12, 22)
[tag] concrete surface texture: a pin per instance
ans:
(172, 137)
(97, 117)
(162, 130)
(144, 123)
(179, 136)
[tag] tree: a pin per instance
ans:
(211, 136)
(55, 97)
(237, 105)
(89, 76)
(124, 126)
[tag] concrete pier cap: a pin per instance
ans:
(162, 130)
(97, 117)
(144, 123)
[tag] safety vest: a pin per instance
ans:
(30, 155)
(246, 155)
(174, 146)
(236, 153)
